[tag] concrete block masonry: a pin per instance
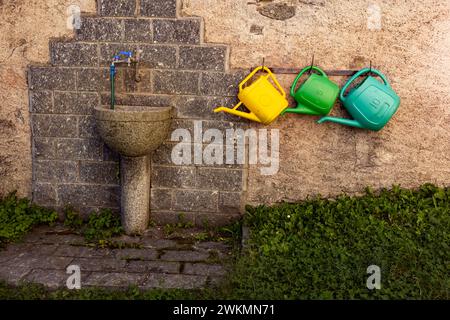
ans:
(72, 166)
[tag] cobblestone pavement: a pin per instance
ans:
(149, 261)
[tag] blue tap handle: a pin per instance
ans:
(128, 54)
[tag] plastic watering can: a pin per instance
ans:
(316, 96)
(265, 101)
(371, 104)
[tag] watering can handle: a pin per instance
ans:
(294, 85)
(359, 74)
(270, 74)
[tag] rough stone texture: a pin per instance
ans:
(116, 7)
(176, 82)
(133, 131)
(73, 54)
(135, 180)
(47, 251)
(411, 48)
(277, 11)
(100, 29)
(139, 30)
(202, 58)
(185, 31)
(328, 159)
(159, 8)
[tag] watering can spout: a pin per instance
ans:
(246, 115)
(345, 122)
(301, 110)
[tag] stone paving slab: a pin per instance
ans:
(184, 255)
(149, 261)
(204, 269)
(173, 281)
(114, 279)
(51, 278)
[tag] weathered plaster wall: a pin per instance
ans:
(25, 28)
(411, 48)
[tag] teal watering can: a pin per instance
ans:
(371, 104)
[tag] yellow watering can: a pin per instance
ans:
(263, 100)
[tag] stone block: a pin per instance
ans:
(173, 281)
(184, 255)
(99, 172)
(51, 279)
(54, 125)
(100, 29)
(229, 202)
(176, 82)
(159, 8)
(221, 84)
(219, 179)
(94, 79)
(44, 148)
(195, 200)
(96, 264)
(173, 177)
(87, 127)
(161, 199)
(158, 56)
(89, 195)
(152, 266)
(75, 102)
(41, 101)
(50, 78)
(55, 171)
(136, 254)
(138, 30)
(185, 31)
(73, 54)
(202, 58)
(114, 279)
(44, 194)
(116, 8)
(204, 269)
(78, 149)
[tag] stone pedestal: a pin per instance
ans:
(135, 181)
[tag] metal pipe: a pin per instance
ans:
(328, 72)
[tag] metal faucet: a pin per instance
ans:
(124, 57)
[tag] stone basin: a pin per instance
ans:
(134, 132)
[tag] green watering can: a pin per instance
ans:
(371, 104)
(316, 96)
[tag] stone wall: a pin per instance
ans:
(71, 166)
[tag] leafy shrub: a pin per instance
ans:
(18, 216)
(102, 225)
(72, 219)
(320, 249)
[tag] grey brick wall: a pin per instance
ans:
(72, 166)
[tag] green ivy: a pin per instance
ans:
(18, 216)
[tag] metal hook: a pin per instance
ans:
(370, 68)
(264, 62)
(312, 64)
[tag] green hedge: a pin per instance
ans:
(320, 249)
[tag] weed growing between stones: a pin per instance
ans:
(19, 216)
(99, 227)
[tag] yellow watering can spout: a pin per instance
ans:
(234, 111)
